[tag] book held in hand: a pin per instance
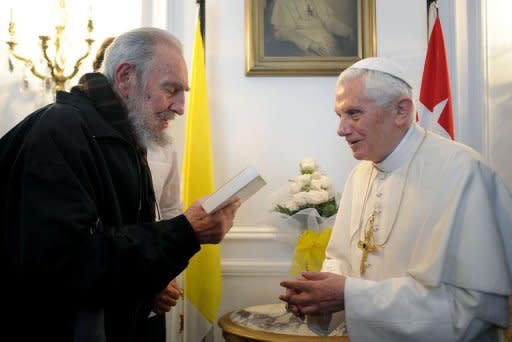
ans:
(243, 185)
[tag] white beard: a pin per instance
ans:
(139, 115)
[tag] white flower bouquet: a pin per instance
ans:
(311, 189)
(304, 211)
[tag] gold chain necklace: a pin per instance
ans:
(368, 244)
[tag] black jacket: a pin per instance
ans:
(72, 235)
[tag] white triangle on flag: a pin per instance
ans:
(430, 120)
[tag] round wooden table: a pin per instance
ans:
(234, 332)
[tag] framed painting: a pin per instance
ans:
(307, 37)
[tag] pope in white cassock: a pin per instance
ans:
(422, 245)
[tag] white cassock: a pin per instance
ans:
(445, 272)
(163, 163)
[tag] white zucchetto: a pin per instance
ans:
(382, 64)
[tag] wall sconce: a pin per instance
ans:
(53, 72)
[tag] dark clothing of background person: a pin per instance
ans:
(73, 180)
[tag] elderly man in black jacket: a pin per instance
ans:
(81, 252)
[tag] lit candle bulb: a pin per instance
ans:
(11, 15)
(90, 27)
(62, 16)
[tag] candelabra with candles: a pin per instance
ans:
(55, 72)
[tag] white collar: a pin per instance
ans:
(403, 152)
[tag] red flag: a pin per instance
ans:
(435, 108)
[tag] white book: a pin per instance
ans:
(243, 185)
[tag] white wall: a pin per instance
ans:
(479, 48)
(499, 86)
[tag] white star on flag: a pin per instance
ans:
(430, 119)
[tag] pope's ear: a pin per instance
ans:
(404, 108)
(124, 77)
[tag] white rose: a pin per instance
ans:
(316, 184)
(300, 198)
(291, 205)
(316, 175)
(325, 183)
(294, 187)
(328, 186)
(317, 196)
(308, 165)
(303, 180)
(330, 191)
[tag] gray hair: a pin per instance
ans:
(137, 47)
(381, 87)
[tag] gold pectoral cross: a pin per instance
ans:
(368, 245)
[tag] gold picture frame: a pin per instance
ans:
(277, 42)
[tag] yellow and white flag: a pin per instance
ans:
(202, 278)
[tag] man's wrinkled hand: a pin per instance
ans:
(314, 293)
(168, 298)
(211, 228)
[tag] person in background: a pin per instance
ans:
(80, 244)
(312, 26)
(163, 163)
(421, 247)
(97, 63)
